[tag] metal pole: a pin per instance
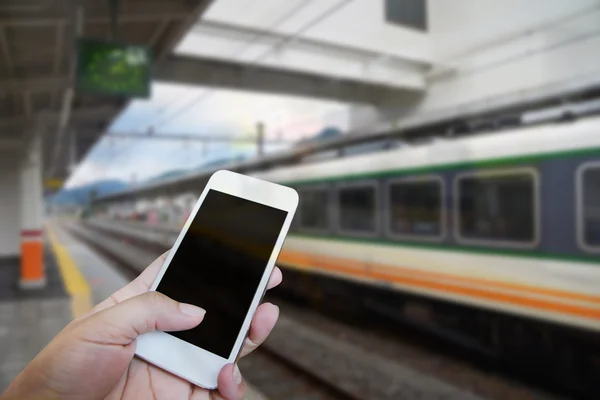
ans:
(69, 94)
(114, 21)
(260, 139)
(72, 150)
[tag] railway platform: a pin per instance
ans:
(29, 319)
(77, 277)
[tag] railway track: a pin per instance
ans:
(309, 356)
(279, 378)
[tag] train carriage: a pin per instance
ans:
(509, 220)
(492, 240)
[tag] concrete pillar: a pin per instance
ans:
(32, 218)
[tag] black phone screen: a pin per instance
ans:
(219, 264)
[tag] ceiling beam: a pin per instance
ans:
(10, 144)
(46, 84)
(98, 12)
(158, 31)
(292, 53)
(79, 115)
(194, 11)
(58, 50)
(226, 74)
(6, 54)
(276, 40)
(27, 106)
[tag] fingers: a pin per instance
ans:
(147, 312)
(231, 384)
(139, 285)
(262, 324)
(275, 278)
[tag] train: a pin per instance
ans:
(509, 221)
(492, 240)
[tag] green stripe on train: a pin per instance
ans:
(457, 248)
(489, 163)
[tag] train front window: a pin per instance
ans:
(415, 208)
(497, 207)
(358, 209)
(314, 211)
(590, 207)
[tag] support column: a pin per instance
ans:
(32, 218)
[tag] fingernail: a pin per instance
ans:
(237, 375)
(191, 310)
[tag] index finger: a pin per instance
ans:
(144, 281)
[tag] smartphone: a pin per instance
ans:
(221, 261)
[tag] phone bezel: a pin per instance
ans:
(184, 359)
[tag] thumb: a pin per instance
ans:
(125, 321)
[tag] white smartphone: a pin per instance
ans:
(221, 261)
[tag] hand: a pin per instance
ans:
(93, 356)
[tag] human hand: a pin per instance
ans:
(93, 356)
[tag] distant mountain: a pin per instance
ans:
(325, 134)
(221, 162)
(81, 195)
(176, 173)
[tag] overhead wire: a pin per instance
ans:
(285, 40)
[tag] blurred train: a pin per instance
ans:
(162, 210)
(491, 240)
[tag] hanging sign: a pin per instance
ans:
(113, 68)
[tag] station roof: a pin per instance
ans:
(297, 47)
(37, 67)
(342, 50)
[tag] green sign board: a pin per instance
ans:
(113, 68)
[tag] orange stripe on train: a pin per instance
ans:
(375, 271)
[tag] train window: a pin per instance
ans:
(415, 208)
(357, 209)
(314, 208)
(589, 207)
(497, 207)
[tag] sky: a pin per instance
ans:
(200, 111)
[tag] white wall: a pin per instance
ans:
(503, 51)
(333, 38)
(491, 54)
(459, 25)
(9, 204)
(358, 23)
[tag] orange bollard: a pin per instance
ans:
(32, 259)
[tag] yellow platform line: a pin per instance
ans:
(76, 285)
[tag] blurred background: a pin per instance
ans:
(446, 152)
